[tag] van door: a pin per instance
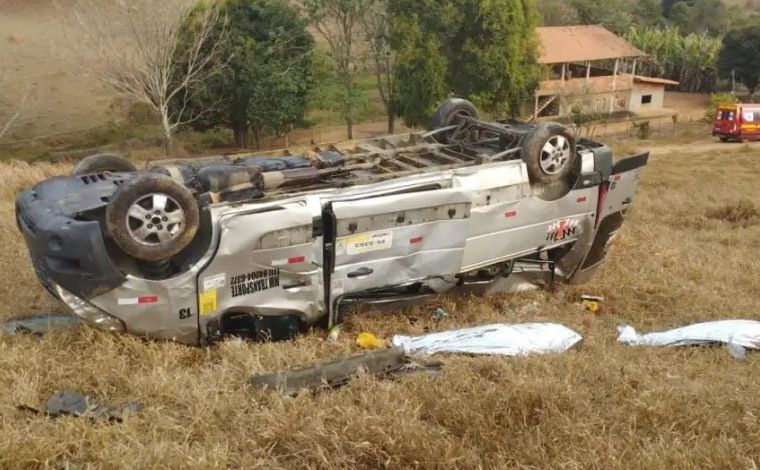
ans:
(267, 263)
(398, 239)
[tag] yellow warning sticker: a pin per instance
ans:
(207, 301)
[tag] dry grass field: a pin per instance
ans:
(688, 252)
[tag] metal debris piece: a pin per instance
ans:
(439, 314)
(744, 333)
(38, 324)
(501, 339)
(338, 373)
(67, 402)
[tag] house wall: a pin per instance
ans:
(593, 95)
(592, 103)
(654, 91)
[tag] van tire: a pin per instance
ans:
(152, 217)
(450, 113)
(102, 162)
(549, 153)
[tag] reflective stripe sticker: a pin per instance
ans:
(292, 260)
(415, 240)
(511, 213)
(144, 299)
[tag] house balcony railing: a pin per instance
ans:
(582, 85)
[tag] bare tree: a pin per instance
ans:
(338, 22)
(142, 50)
(375, 24)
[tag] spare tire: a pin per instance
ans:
(152, 217)
(451, 111)
(102, 162)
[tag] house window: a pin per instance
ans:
(646, 99)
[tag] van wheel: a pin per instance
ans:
(102, 162)
(724, 139)
(452, 112)
(152, 217)
(550, 156)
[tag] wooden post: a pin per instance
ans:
(564, 66)
(535, 110)
(633, 70)
(588, 71)
(614, 85)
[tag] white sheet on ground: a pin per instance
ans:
(744, 333)
(500, 338)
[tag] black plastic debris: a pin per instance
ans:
(38, 324)
(389, 362)
(69, 403)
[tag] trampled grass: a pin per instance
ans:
(601, 405)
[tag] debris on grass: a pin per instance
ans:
(740, 333)
(736, 351)
(439, 314)
(530, 308)
(67, 402)
(500, 339)
(591, 303)
(38, 324)
(590, 306)
(335, 374)
(742, 212)
(369, 341)
(334, 334)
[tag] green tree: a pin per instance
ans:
(667, 6)
(648, 13)
(614, 15)
(267, 76)
(741, 55)
(693, 16)
(554, 13)
(690, 59)
(339, 23)
(375, 24)
(483, 50)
